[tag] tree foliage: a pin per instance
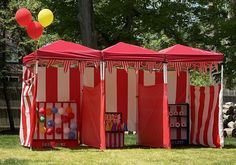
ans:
(154, 24)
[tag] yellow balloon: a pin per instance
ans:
(42, 130)
(45, 17)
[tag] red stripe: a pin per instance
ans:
(216, 137)
(122, 93)
(96, 76)
(74, 84)
(200, 113)
(53, 116)
(32, 110)
(141, 77)
(205, 138)
(192, 91)
(51, 84)
(181, 88)
(159, 77)
(178, 131)
(75, 94)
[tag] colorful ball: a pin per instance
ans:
(71, 115)
(54, 110)
(68, 110)
(41, 119)
(58, 120)
(42, 111)
(66, 130)
(50, 131)
(48, 111)
(51, 123)
(42, 130)
(73, 126)
(61, 111)
(71, 135)
(59, 130)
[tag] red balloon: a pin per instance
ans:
(65, 119)
(59, 130)
(42, 111)
(23, 17)
(34, 30)
(71, 115)
(50, 131)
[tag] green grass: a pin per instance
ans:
(12, 153)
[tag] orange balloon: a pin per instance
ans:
(68, 110)
(48, 111)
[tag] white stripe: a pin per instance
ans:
(132, 100)
(27, 115)
(172, 82)
(65, 125)
(210, 129)
(221, 129)
(22, 104)
(41, 86)
(88, 77)
(74, 110)
(205, 114)
(111, 90)
(149, 78)
(197, 101)
(63, 88)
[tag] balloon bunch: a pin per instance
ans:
(34, 29)
(62, 115)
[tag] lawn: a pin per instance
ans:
(12, 153)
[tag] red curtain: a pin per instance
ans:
(93, 132)
(153, 119)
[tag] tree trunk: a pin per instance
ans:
(9, 113)
(3, 47)
(86, 20)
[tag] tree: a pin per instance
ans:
(88, 33)
(3, 48)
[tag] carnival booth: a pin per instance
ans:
(51, 112)
(76, 95)
(195, 112)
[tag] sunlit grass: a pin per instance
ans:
(12, 153)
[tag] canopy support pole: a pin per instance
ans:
(102, 94)
(221, 130)
(165, 72)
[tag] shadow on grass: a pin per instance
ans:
(10, 132)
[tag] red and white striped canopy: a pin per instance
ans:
(127, 52)
(181, 53)
(63, 50)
